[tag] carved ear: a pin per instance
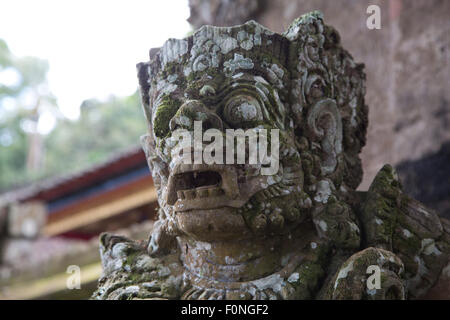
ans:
(325, 125)
(144, 87)
(147, 144)
(154, 161)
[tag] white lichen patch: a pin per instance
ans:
(230, 260)
(226, 44)
(422, 210)
(247, 111)
(172, 50)
(150, 284)
(323, 225)
(132, 289)
(429, 247)
(378, 221)
(116, 265)
(353, 226)
(245, 40)
(261, 80)
(143, 262)
(184, 121)
(187, 71)
(273, 76)
(292, 32)
(381, 258)
(343, 273)
(371, 292)
(119, 250)
(165, 87)
(274, 282)
(406, 233)
(172, 77)
(323, 191)
(293, 277)
(203, 245)
(238, 75)
(218, 36)
(277, 70)
(238, 62)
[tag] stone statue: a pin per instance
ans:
(228, 232)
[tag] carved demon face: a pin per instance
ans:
(221, 80)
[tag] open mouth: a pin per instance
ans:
(202, 187)
(191, 185)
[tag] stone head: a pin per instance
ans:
(301, 82)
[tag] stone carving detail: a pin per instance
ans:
(229, 232)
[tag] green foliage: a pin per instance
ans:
(103, 127)
(32, 72)
(13, 150)
(19, 104)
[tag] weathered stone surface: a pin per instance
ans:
(129, 272)
(350, 282)
(398, 223)
(228, 231)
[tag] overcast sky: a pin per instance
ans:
(92, 46)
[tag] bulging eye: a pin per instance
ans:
(242, 110)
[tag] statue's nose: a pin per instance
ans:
(194, 110)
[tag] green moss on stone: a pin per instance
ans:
(166, 110)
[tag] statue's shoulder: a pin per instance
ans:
(129, 272)
(393, 221)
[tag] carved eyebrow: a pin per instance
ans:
(235, 85)
(239, 82)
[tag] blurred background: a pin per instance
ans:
(70, 118)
